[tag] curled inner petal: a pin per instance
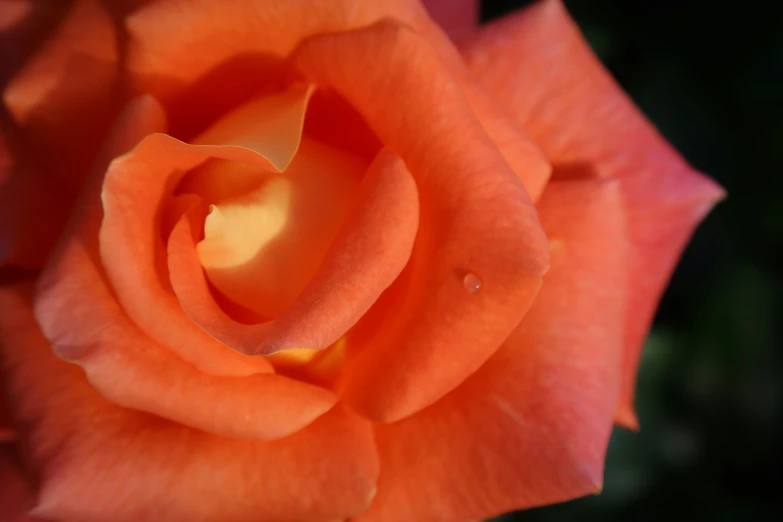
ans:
(137, 199)
(262, 248)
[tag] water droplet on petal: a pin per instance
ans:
(472, 283)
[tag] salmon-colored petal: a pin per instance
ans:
(16, 491)
(261, 248)
(476, 218)
(174, 64)
(190, 285)
(138, 186)
(457, 17)
(366, 256)
(165, 59)
(587, 126)
(522, 154)
(97, 461)
(332, 120)
(532, 425)
(80, 316)
(270, 125)
(72, 77)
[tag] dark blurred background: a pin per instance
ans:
(710, 396)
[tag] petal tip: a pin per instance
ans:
(627, 418)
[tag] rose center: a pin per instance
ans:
(266, 232)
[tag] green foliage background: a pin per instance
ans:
(710, 397)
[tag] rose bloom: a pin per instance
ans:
(289, 260)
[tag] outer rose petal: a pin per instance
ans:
(164, 59)
(532, 425)
(97, 461)
(169, 62)
(71, 78)
(78, 313)
(369, 252)
(141, 117)
(24, 25)
(16, 494)
(455, 16)
(587, 126)
(475, 217)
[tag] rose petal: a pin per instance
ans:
(476, 218)
(12, 13)
(261, 248)
(455, 16)
(366, 256)
(532, 425)
(17, 496)
(97, 461)
(78, 313)
(331, 120)
(587, 126)
(185, 338)
(70, 78)
(139, 184)
(186, 69)
(172, 63)
(24, 25)
(522, 154)
(164, 59)
(60, 60)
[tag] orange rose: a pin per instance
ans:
(300, 278)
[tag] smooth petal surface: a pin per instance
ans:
(476, 218)
(532, 425)
(98, 461)
(137, 189)
(171, 63)
(368, 253)
(165, 59)
(261, 248)
(588, 127)
(455, 16)
(80, 316)
(522, 154)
